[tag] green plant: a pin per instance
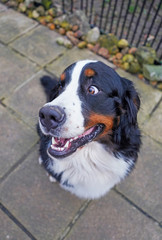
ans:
(131, 9)
(46, 4)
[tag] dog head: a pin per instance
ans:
(90, 103)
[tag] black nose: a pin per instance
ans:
(51, 117)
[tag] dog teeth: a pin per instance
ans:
(55, 147)
(59, 148)
(67, 144)
(53, 140)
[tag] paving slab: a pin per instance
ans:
(39, 45)
(9, 230)
(28, 98)
(41, 206)
(71, 56)
(16, 140)
(149, 96)
(143, 186)
(14, 70)
(13, 24)
(2, 7)
(153, 126)
(113, 218)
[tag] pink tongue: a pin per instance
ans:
(88, 131)
(61, 141)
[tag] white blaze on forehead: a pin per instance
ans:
(71, 103)
(74, 84)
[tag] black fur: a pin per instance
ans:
(117, 97)
(50, 86)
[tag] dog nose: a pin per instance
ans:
(51, 116)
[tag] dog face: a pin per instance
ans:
(90, 103)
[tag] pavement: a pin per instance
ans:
(33, 208)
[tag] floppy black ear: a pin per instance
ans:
(49, 84)
(130, 102)
(127, 127)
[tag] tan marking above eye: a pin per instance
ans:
(89, 72)
(62, 77)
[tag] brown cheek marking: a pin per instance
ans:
(99, 118)
(89, 72)
(62, 77)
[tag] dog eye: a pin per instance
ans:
(93, 90)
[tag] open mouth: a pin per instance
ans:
(63, 147)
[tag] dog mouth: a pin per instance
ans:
(63, 147)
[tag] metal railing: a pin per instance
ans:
(138, 21)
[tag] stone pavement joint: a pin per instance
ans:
(17, 24)
(16, 221)
(24, 56)
(33, 208)
(137, 207)
(155, 107)
(74, 220)
(13, 112)
(18, 163)
(42, 53)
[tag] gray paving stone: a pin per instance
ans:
(143, 186)
(39, 45)
(41, 206)
(71, 56)
(28, 98)
(13, 24)
(16, 140)
(2, 7)
(149, 96)
(9, 230)
(14, 70)
(153, 126)
(113, 218)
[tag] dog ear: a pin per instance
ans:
(130, 102)
(130, 105)
(49, 84)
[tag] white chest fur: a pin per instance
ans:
(91, 171)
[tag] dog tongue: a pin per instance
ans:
(61, 141)
(62, 147)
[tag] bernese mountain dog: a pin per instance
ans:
(89, 135)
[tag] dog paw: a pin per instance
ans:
(52, 179)
(40, 160)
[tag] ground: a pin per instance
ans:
(33, 208)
